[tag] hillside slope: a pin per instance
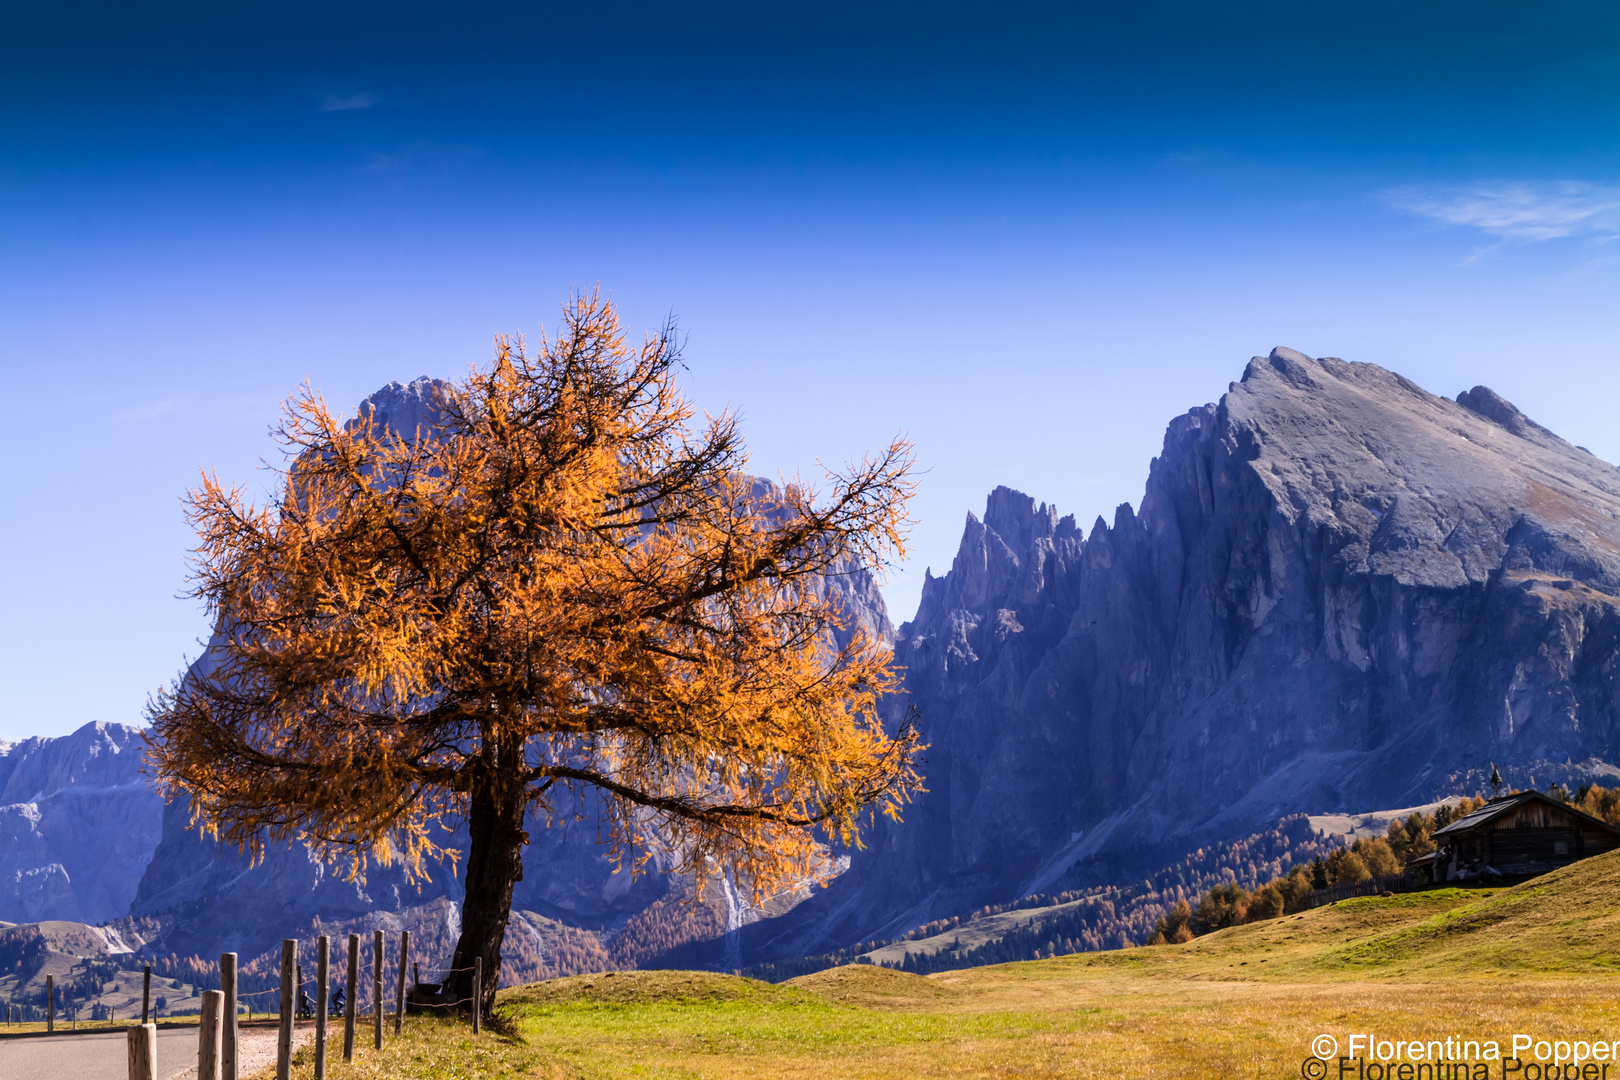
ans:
(1565, 922)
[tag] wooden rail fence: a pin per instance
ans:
(217, 1032)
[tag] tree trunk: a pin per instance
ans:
(494, 865)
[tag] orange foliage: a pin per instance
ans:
(562, 582)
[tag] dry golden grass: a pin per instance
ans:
(1246, 1002)
(1055, 1018)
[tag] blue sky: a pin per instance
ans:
(1025, 235)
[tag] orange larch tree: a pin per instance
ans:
(561, 583)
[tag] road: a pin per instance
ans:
(105, 1057)
(92, 1057)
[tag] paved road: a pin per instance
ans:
(92, 1057)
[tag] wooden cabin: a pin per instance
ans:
(1516, 836)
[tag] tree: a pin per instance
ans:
(1174, 926)
(1319, 874)
(1266, 902)
(1347, 867)
(562, 584)
(1376, 855)
(1224, 905)
(1411, 838)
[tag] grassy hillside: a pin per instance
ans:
(93, 978)
(1566, 922)
(978, 932)
(1244, 1002)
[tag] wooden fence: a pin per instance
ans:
(217, 1029)
(1377, 886)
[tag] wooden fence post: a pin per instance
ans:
(209, 1023)
(377, 985)
(348, 1006)
(50, 1003)
(285, 1033)
(323, 945)
(142, 1041)
(399, 995)
(227, 1038)
(478, 993)
(146, 996)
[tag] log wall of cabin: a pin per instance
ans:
(1530, 839)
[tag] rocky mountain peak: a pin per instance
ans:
(1491, 405)
(1004, 562)
(1338, 590)
(1438, 492)
(405, 408)
(1015, 518)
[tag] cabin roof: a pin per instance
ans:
(1502, 804)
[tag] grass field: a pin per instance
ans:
(1539, 959)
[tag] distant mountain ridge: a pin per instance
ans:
(78, 823)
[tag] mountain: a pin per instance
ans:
(78, 823)
(1339, 591)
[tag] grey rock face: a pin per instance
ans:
(1340, 591)
(78, 822)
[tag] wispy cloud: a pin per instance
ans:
(147, 408)
(1522, 211)
(345, 102)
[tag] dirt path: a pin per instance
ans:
(255, 1049)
